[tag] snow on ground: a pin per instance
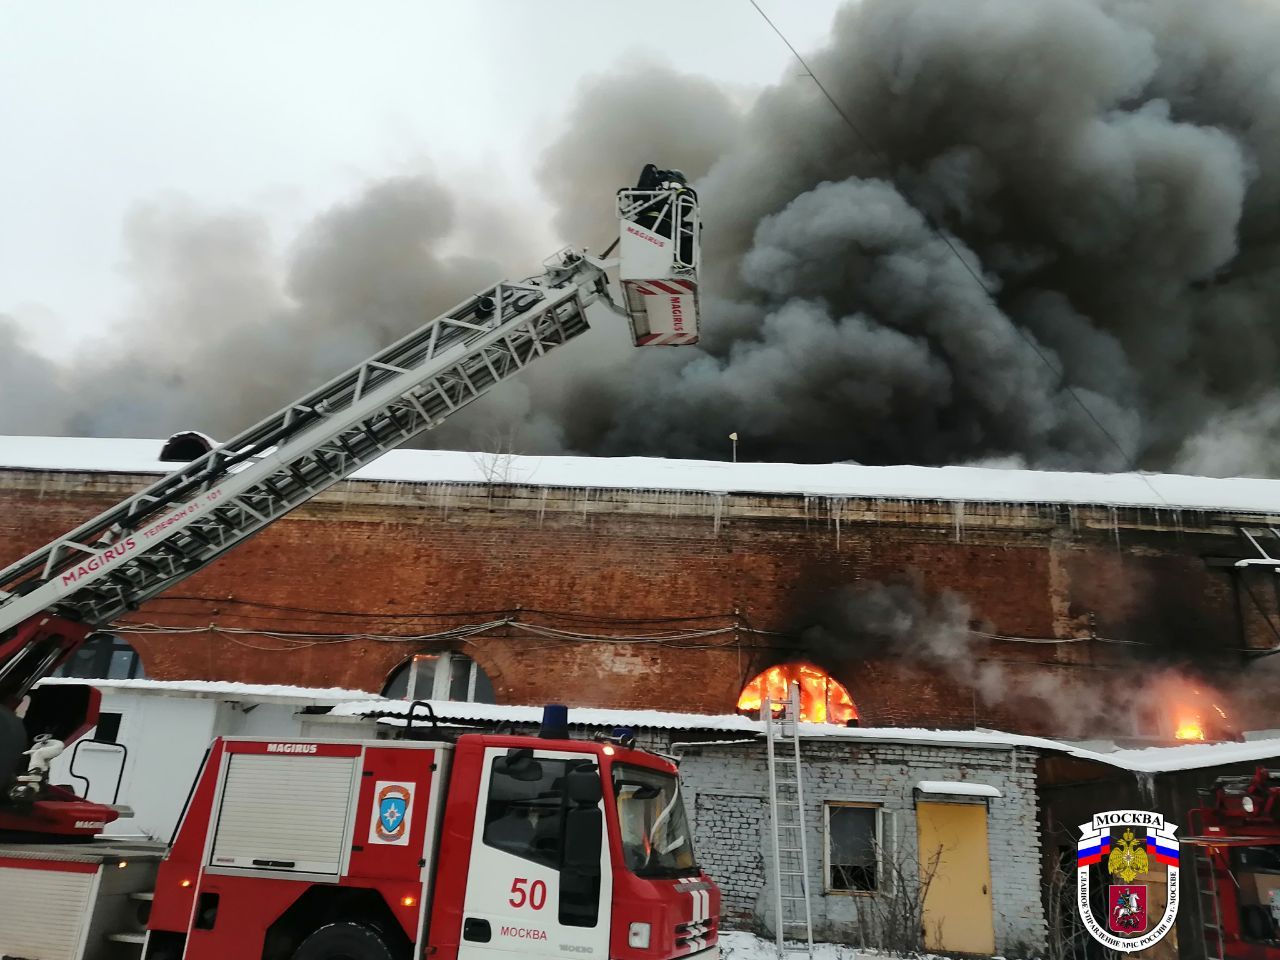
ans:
(735, 945)
(972, 484)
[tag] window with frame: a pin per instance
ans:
(852, 832)
(103, 656)
(525, 810)
(439, 676)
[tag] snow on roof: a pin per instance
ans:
(360, 703)
(578, 716)
(731, 723)
(223, 690)
(1191, 756)
(957, 788)
(973, 484)
(1143, 760)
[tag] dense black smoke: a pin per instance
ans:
(1054, 238)
(1107, 169)
(877, 621)
(937, 631)
(1105, 179)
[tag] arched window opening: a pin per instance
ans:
(103, 656)
(823, 699)
(439, 676)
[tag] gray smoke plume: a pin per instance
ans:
(873, 621)
(219, 337)
(1105, 182)
(1054, 239)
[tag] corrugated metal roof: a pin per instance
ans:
(360, 704)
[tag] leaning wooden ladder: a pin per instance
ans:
(794, 925)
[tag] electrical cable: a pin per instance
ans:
(424, 615)
(681, 639)
(941, 234)
(303, 638)
(1093, 638)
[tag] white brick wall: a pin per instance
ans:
(725, 791)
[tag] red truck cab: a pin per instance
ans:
(469, 850)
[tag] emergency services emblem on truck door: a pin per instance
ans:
(392, 813)
(1125, 858)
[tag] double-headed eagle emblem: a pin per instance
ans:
(1128, 858)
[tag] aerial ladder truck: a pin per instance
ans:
(465, 847)
(1234, 843)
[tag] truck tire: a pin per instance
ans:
(13, 741)
(345, 941)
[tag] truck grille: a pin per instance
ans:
(692, 937)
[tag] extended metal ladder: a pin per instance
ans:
(1197, 852)
(186, 520)
(786, 813)
(1208, 902)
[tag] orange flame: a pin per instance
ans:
(822, 699)
(1190, 709)
(1189, 728)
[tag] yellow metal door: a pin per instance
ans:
(957, 908)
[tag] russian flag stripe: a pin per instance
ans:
(1089, 852)
(1162, 850)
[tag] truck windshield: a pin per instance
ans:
(656, 841)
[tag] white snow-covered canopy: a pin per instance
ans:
(970, 484)
(356, 704)
(734, 726)
(227, 690)
(957, 788)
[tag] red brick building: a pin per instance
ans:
(1100, 604)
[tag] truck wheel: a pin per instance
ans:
(13, 741)
(345, 941)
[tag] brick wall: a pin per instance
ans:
(408, 559)
(726, 790)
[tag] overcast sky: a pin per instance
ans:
(286, 107)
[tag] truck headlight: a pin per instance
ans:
(638, 936)
(1247, 803)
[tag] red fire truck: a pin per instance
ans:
(349, 851)
(1235, 842)
(386, 850)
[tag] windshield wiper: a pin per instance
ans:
(675, 844)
